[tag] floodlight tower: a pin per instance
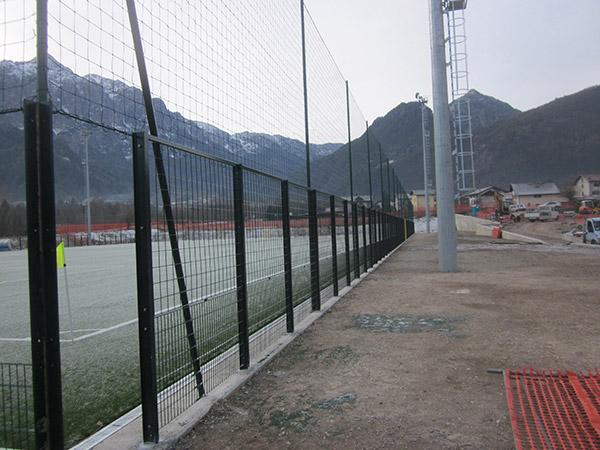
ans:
(459, 82)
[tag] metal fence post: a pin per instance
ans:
(355, 242)
(374, 225)
(364, 233)
(313, 235)
(43, 287)
(380, 231)
(334, 266)
(387, 234)
(287, 256)
(371, 237)
(145, 289)
(240, 265)
(347, 243)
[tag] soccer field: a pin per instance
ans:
(100, 361)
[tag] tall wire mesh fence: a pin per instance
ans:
(226, 80)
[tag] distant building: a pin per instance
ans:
(534, 194)
(490, 197)
(417, 197)
(587, 187)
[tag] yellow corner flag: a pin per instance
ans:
(60, 256)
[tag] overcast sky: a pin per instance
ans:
(525, 52)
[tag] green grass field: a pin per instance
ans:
(100, 362)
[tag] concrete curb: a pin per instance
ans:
(126, 431)
(482, 227)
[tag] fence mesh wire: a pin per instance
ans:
(264, 259)
(226, 79)
(16, 406)
(202, 205)
(17, 45)
(325, 254)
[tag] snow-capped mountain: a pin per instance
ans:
(82, 102)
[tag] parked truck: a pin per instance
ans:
(591, 231)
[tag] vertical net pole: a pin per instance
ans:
(165, 195)
(349, 141)
(305, 91)
(369, 166)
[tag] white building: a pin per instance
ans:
(534, 194)
(587, 187)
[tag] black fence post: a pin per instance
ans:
(145, 289)
(383, 235)
(370, 237)
(389, 233)
(43, 286)
(287, 256)
(376, 236)
(347, 243)
(240, 266)
(334, 266)
(355, 241)
(364, 233)
(380, 231)
(313, 235)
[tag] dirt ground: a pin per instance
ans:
(551, 232)
(400, 362)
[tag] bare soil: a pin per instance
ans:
(400, 362)
(551, 231)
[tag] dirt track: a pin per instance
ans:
(401, 361)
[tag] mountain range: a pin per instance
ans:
(554, 142)
(119, 108)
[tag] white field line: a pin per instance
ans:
(162, 312)
(208, 370)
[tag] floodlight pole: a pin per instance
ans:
(443, 148)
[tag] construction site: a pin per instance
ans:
(423, 366)
(206, 241)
